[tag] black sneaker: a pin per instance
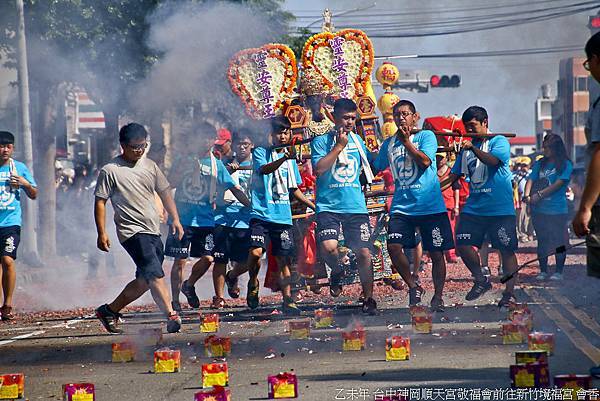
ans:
(252, 297)
(437, 305)
(173, 323)
(369, 306)
(190, 293)
(109, 319)
(415, 294)
(232, 286)
(176, 306)
(335, 288)
(479, 288)
(507, 299)
(289, 307)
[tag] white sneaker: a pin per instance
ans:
(486, 271)
(556, 277)
(542, 276)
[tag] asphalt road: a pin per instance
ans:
(464, 351)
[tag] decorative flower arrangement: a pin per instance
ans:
(263, 78)
(344, 60)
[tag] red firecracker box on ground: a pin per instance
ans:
(323, 318)
(217, 393)
(354, 340)
(574, 386)
(12, 386)
(299, 329)
(531, 357)
(215, 374)
(514, 333)
(419, 310)
(422, 324)
(151, 337)
(529, 375)
(397, 349)
(167, 361)
(217, 347)
(523, 317)
(515, 308)
(209, 323)
(123, 352)
(283, 385)
(79, 392)
(541, 342)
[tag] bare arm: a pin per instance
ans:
(271, 167)
(169, 204)
(303, 199)
(240, 195)
(419, 157)
(330, 158)
(590, 195)
(103, 242)
(449, 180)
(21, 182)
(487, 158)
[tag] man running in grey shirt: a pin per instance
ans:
(130, 181)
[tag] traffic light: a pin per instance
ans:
(444, 81)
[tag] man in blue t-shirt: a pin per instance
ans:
(14, 176)
(417, 201)
(275, 176)
(338, 158)
(232, 234)
(197, 178)
(490, 208)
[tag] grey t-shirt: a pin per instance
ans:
(592, 132)
(130, 188)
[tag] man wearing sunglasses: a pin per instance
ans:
(130, 181)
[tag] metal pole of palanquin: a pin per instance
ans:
(29, 237)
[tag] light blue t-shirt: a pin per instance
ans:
(338, 190)
(417, 192)
(267, 205)
(491, 194)
(193, 201)
(230, 212)
(10, 200)
(556, 203)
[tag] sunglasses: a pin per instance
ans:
(140, 146)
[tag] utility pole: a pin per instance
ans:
(29, 238)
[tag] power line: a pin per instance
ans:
(492, 53)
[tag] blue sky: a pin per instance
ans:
(506, 86)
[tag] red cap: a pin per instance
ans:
(223, 135)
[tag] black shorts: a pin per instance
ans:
(10, 237)
(502, 231)
(146, 250)
(231, 244)
(196, 242)
(280, 236)
(435, 229)
(356, 228)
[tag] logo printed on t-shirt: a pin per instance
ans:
(346, 173)
(192, 192)
(405, 166)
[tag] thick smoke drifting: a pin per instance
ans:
(196, 43)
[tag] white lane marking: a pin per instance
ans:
(66, 325)
(22, 336)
